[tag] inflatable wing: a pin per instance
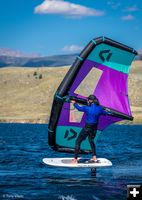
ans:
(101, 69)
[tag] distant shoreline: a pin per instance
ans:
(41, 122)
(24, 121)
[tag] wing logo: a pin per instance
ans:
(105, 55)
(69, 135)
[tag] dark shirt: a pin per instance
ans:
(93, 112)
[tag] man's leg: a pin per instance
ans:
(80, 138)
(91, 136)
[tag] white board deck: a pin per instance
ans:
(82, 162)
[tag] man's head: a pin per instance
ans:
(93, 99)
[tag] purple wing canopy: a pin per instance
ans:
(101, 69)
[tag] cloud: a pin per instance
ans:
(72, 48)
(131, 9)
(66, 8)
(16, 53)
(114, 5)
(128, 17)
(139, 51)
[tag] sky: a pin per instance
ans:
(54, 27)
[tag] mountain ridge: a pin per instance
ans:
(56, 60)
(10, 57)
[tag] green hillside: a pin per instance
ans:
(26, 93)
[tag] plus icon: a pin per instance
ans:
(134, 192)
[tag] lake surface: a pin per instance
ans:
(24, 176)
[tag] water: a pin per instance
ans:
(24, 176)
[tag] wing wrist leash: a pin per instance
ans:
(102, 69)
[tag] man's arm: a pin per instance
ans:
(106, 111)
(79, 108)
